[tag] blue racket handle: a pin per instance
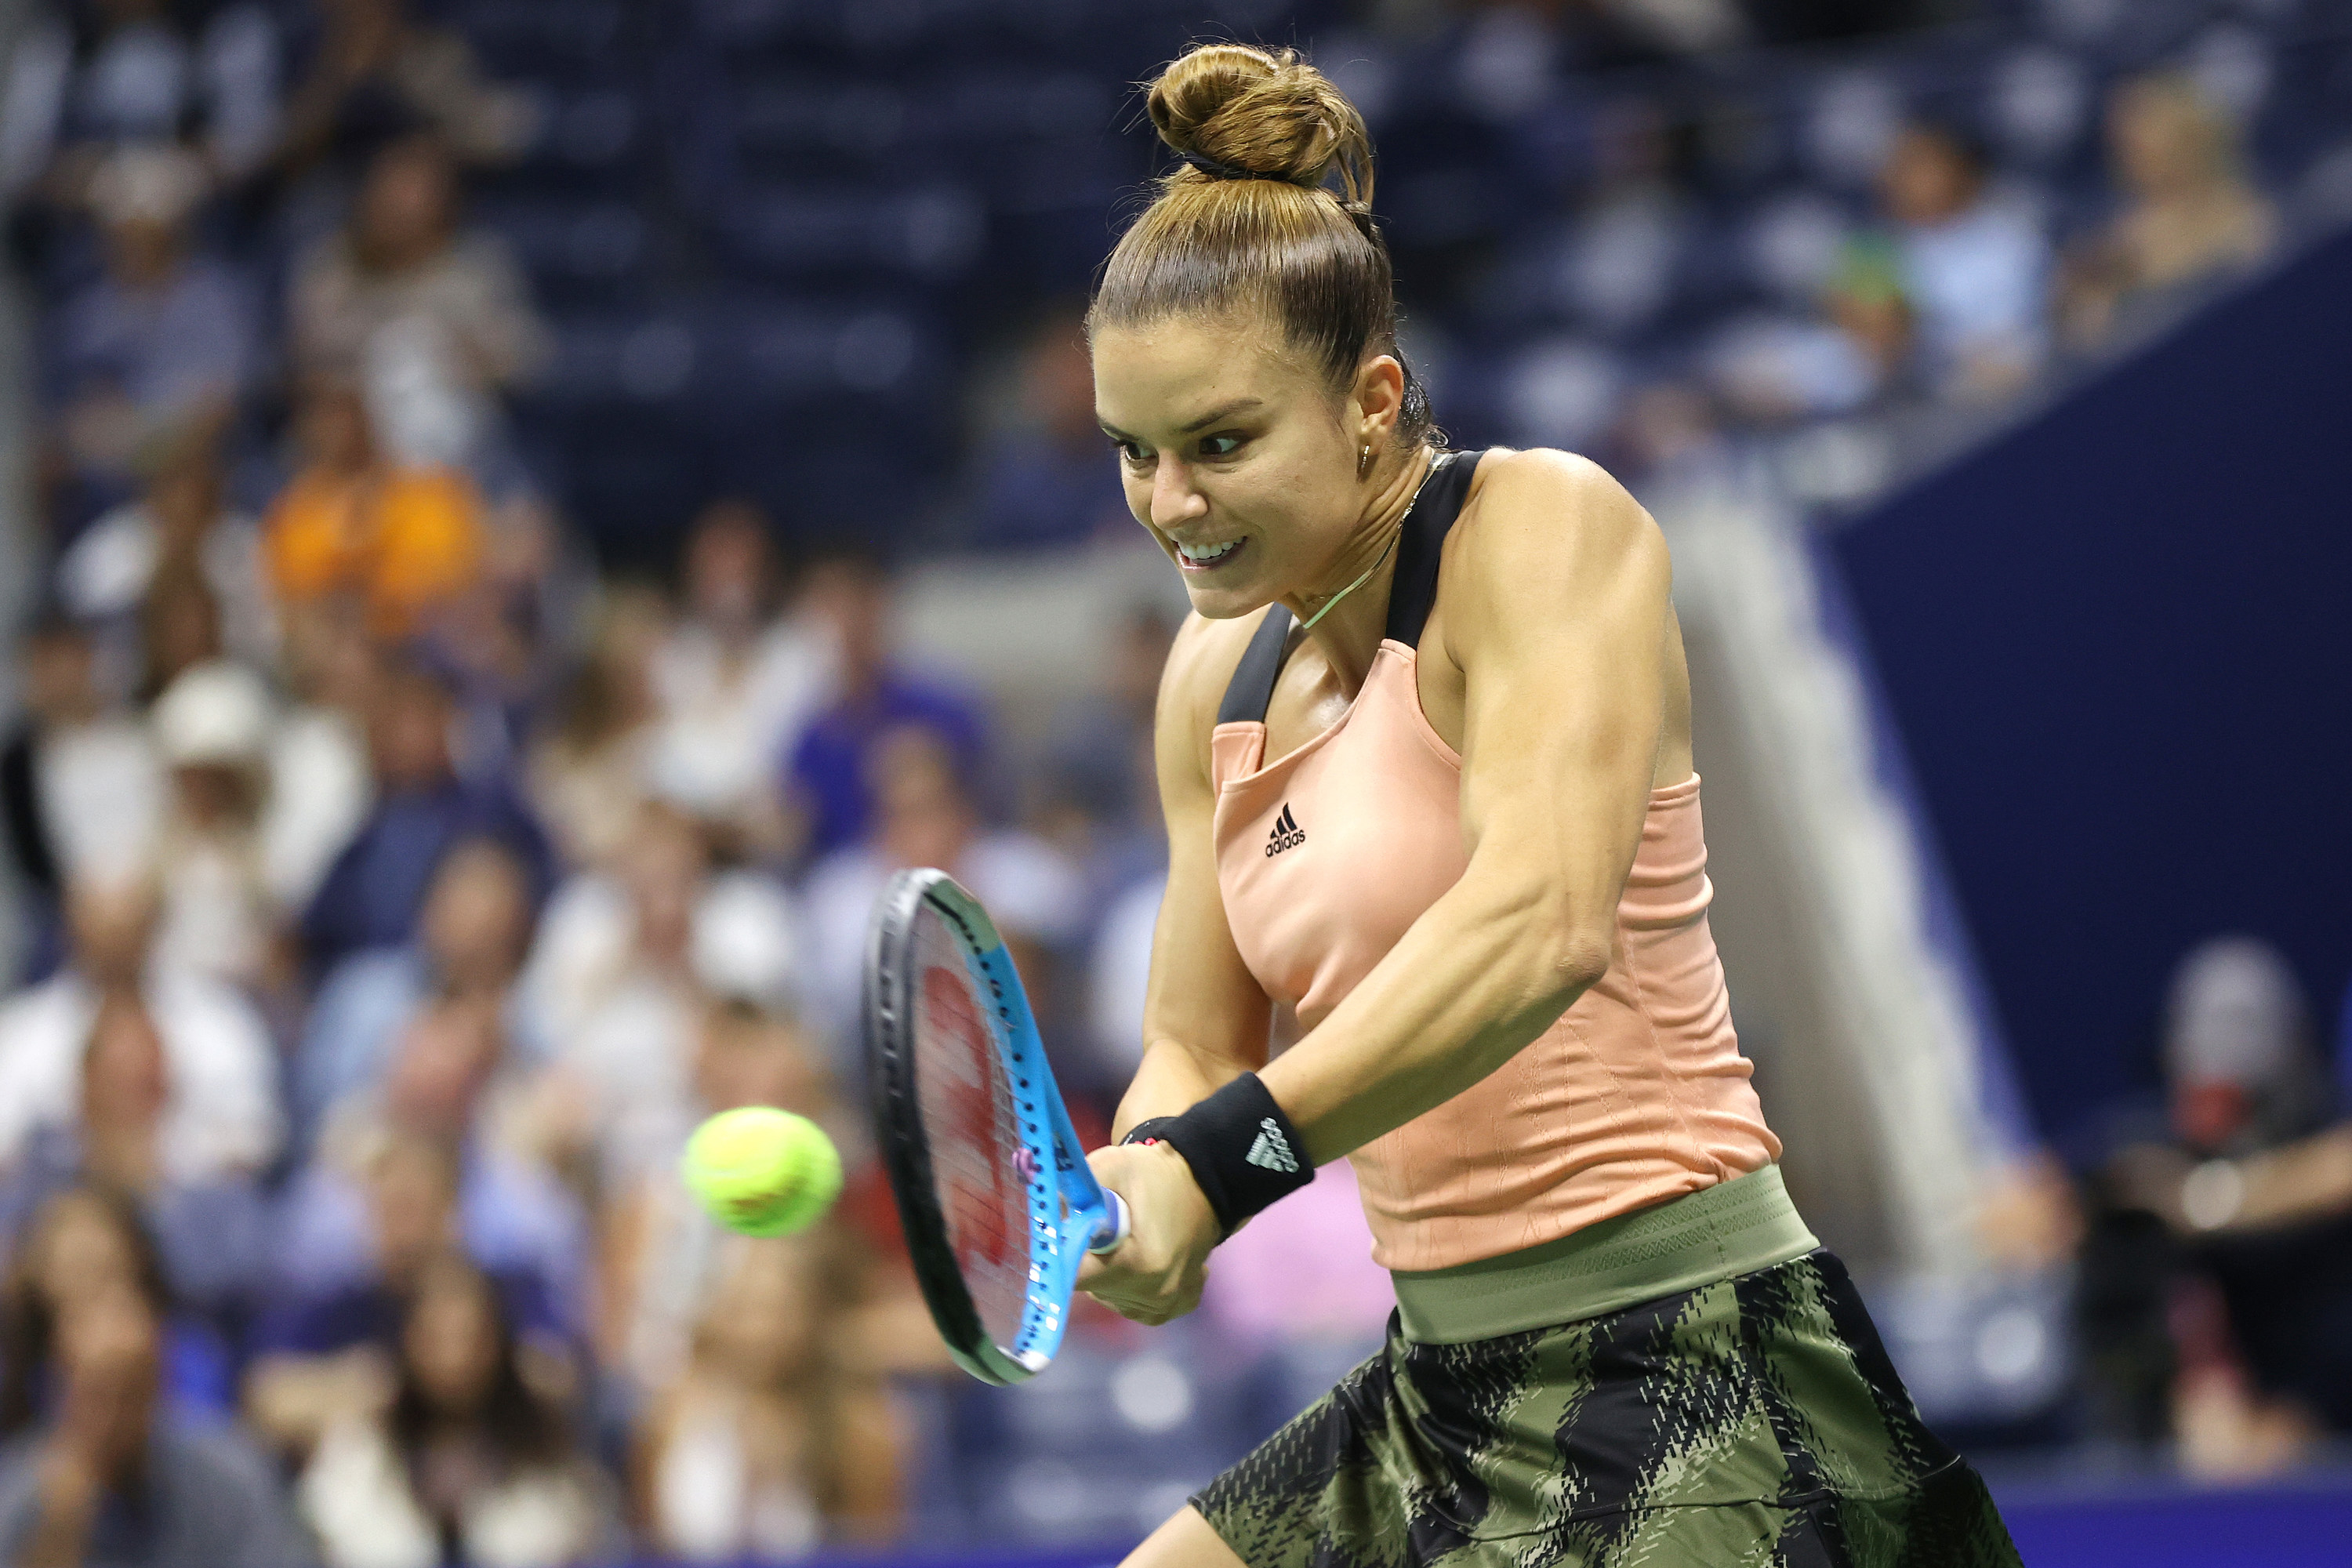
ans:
(1112, 1229)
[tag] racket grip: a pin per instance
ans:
(1112, 1229)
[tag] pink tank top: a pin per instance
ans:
(1325, 855)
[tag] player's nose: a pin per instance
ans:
(1174, 501)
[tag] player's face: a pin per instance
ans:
(1233, 455)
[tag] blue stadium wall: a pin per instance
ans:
(2118, 643)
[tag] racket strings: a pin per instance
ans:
(978, 1158)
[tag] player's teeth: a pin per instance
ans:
(1204, 558)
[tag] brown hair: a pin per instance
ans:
(519, 1425)
(1249, 221)
(28, 1318)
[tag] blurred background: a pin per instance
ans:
(517, 515)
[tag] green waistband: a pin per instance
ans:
(1731, 1228)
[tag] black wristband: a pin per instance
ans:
(1243, 1150)
(1151, 1130)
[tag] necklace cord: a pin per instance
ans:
(1332, 603)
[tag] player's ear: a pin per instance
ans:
(1378, 397)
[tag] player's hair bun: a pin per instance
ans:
(1269, 210)
(1268, 113)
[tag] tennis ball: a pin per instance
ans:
(762, 1171)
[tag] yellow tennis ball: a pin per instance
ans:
(762, 1171)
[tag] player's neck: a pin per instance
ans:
(1348, 633)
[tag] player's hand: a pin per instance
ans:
(1156, 1274)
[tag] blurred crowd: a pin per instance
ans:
(398, 885)
(1812, 270)
(586, 264)
(372, 985)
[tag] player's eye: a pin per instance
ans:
(1220, 446)
(1132, 451)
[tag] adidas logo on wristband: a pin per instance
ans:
(1272, 1150)
(1243, 1151)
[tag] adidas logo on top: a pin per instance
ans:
(1272, 1151)
(1286, 835)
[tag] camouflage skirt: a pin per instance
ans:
(1750, 1421)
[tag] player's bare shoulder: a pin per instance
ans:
(1542, 526)
(1524, 506)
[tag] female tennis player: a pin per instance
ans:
(1425, 753)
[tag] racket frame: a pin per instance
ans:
(1069, 1212)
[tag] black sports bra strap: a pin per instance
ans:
(1251, 687)
(1413, 591)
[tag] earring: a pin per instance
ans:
(1364, 461)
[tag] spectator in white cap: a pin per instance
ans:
(213, 727)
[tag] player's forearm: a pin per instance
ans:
(1487, 969)
(1172, 1078)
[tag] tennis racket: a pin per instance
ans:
(999, 1206)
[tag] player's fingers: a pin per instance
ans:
(1143, 1297)
(1120, 1289)
(1125, 1265)
(1151, 1314)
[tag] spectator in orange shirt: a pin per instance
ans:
(400, 541)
